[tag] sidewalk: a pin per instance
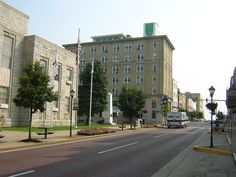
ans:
(204, 163)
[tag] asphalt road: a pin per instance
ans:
(136, 155)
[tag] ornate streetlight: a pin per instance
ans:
(72, 92)
(211, 106)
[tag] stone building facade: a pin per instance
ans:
(16, 50)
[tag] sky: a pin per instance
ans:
(203, 32)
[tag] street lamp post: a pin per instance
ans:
(72, 92)
(212, 91)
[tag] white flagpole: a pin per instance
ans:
(91, 93)
(77, 73)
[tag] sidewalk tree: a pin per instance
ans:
(34, 90)
(99, 91)
(131, 102)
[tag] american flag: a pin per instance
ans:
(77, 61)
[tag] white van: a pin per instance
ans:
(177, 119)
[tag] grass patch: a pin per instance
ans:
(55, 128)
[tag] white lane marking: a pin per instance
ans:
(160, 135)
(117, 147)
(23, 173)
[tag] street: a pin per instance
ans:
(135, 155)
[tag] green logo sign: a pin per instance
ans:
(149, 29)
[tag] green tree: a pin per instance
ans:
(34, 90)
(99, 91)
(131, 101)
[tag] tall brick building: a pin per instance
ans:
(141, 62)
(18, 49)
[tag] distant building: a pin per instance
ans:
(231, 97)
(141, 62)
(18, 49)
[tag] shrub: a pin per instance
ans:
(96, 131)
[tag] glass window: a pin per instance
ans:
(139, 68)
(116, 48)
(140, 57)
(82, 61)
(139, 80)
(154, 45)
(4, 95)
(104, 49)
(114, 80)
(140, 46)
(154, 56)
(154, 68)
(69, 74)
(127, 68)
(115, 59)
(127, 58)
(128, 47)
(115, 69)
(127, 80)
(153, 114)
(43, 63)
(7, 52)
(93, 49)
(104, 60)
(154, 79)
(58, 73)
(115, 91)
(67, 104)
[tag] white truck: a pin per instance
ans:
(177, 119)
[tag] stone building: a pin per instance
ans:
(141, 62)
(18, 49)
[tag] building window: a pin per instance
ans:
(139, 80)
(154, 79)
(43, 63)
(154, 91)
(154, 68)
(127, 80)
(57, 75)
(93, 49)
(154, 45)
(139, 68)
(67, 104)
(115, 59)
(115, 69)
(140, 46)
(4, 95)
(104, 49)
(127, 58)
(82, 61)
(69, 74)
(115, 91)
(7, 52)
(114, 80)
(153, 114)
(55, 104)
(154, 56)
(140, 57)
(104, 60)
(127, 68)
(128, 47)
(104, 69)
(116, 48)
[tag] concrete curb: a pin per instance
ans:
(212, 151)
